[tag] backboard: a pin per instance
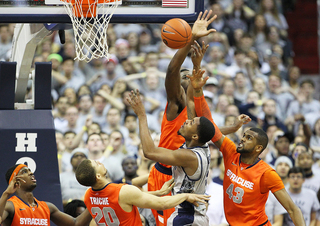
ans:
(130, 11)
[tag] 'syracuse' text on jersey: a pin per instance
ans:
(104, 207)
(192, 184)
(246, 188)
(26, 215)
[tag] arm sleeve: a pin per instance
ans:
(228, 148)
(270, 180)
(202, 109)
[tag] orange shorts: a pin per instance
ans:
(159, 174)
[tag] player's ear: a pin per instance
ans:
(195, 137)
(259, 148)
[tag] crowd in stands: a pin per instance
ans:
(251, 69)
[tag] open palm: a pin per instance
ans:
(196, 80)
(200, 26)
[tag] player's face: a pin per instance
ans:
(189, 128)
(247, 142)
(99, 167)
(28, 177)
(184, 79)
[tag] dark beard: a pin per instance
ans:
(242, 151)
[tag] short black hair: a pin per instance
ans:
(262, 137)
(130, 115)
(295, 170)
(68, 132)
(71, 207)
(307, 81)
(206, 130)
(10, 171)
(86, 174)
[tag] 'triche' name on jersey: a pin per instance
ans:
(99, 201)
(239, 180)
(33, 221)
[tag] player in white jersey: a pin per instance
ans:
(304, 198)
(191, 184)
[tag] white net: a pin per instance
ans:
(90, 20)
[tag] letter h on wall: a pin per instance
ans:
(26, 142)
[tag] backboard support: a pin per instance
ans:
(147, 11)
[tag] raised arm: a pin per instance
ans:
(181, 157)
(130, 195)
(7, 208)
(294, 212)
(173, 80)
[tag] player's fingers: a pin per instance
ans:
(204, 14)
(209, 14)
(212, 19)
(199, 16)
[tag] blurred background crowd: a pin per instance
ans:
(251, 69)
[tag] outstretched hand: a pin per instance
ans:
(195, 198)
(135, 102)
(200, 26)
(196, 80)
(198, 52)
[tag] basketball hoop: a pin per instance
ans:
(90, 20)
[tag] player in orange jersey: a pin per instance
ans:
(24, 209)
(175, 113)
(116, 204)
(247, 178)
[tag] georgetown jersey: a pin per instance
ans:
(196, 183)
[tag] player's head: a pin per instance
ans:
(29, 182)
(89, 172)
(254, 140)
(199, 129)
(184, 79)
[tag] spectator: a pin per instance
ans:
(220, 23)
(85, 104)
(239, 15)
(70, 188)
(113, 122)
(117, 153)
(129, 167)
(242, 87)
(59, 112)
(269, 9)
(5, 42)
(72, 78)
(133, 140)
(72, 115)
(75, 208)
(259, 30)
(99, 109)
(312, 179)
(68, 138)
(274, 209)
(304, 198)
(282, 142)
(269, 116)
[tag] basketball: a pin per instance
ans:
(176, 33)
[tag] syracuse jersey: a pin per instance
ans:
(160, 173)
(245, 188)
(27, 215)
(104, 207)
